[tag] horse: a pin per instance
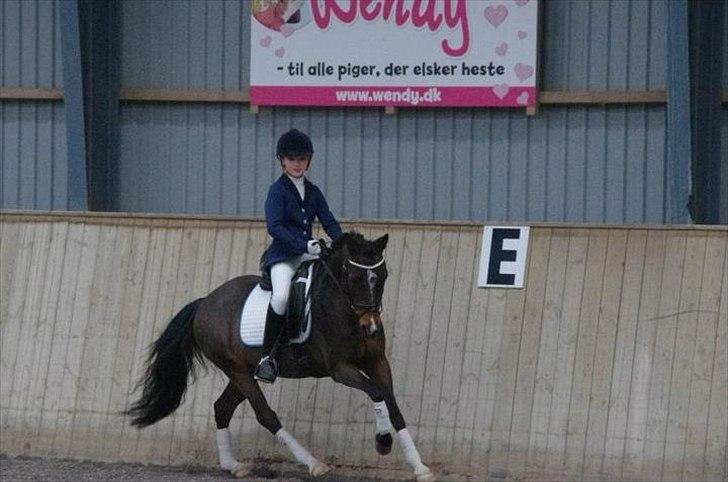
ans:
(346, 343)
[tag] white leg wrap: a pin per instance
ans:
(298, 450)
(381, 414)
(411, 455)
(225, 450)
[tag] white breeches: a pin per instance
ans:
(281, 275)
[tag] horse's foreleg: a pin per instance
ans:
(224, 408)
(383, 438)
(351, 377)
(268, 418)
(380, 373)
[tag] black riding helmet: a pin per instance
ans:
(294, 143)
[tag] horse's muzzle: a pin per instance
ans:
(369, 322)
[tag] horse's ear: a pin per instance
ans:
(381, 243)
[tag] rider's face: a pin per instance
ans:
(295, 165)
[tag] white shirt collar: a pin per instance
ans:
(299, 183)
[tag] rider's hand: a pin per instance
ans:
(313, 247)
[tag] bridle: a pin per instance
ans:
(374, 266)
(357, 306)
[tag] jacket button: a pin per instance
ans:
(305, 222)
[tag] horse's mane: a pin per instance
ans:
(347, 239)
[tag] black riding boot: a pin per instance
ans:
(267, 371)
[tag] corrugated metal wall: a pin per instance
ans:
(604, 45)
(31, 44)
(33, 159)
(610, 364)
(565, 164)
(188, 44)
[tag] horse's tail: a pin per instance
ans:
(170, 362)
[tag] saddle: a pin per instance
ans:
(298, 313)
(298, 301)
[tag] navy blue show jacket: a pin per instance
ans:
(289, 219)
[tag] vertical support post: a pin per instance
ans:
(706, 34)
(73, 103)
(101, 40)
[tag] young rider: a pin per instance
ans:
(292, 204)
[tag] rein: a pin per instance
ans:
(331, 275)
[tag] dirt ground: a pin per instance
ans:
(32, 468)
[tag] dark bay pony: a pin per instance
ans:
(346, 344)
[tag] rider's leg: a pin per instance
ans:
(280, 275)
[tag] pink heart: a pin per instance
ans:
(265, 41)
(287, 30)
(279, 52)
(523, 71)
(523, 98)
(496, 15)
(522, 34)
(502, 49)
(521, 3)
(501, 90)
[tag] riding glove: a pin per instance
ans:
(313, 247)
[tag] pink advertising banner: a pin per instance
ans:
(424, 53)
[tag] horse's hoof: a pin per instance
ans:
(425, 476)
(318, 469)
(383, 443)
(240, 471)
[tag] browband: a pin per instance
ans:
(381, 262)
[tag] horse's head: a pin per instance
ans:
(362, 275)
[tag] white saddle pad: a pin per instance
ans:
(252, 317)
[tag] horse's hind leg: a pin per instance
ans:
(225, 405)
(268, 418)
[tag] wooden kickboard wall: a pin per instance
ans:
(610, 364)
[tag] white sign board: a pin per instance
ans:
(503, 256)
(425, 53)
